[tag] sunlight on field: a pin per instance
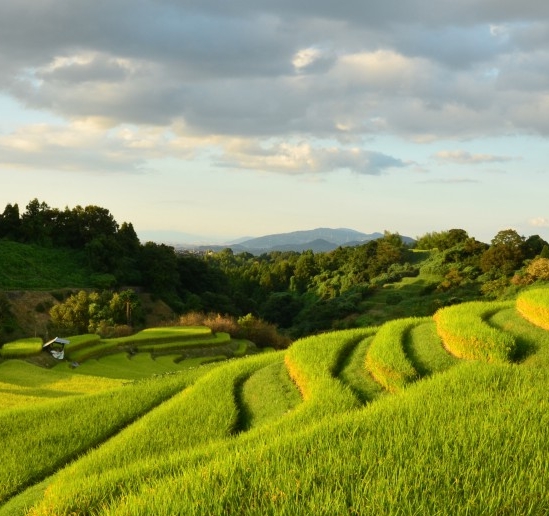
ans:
(377, 420)
(23, 383)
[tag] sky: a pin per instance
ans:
(214, 120)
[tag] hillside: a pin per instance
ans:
(27, 266)
(443, 415)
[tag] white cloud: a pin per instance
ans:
(304, 158)
(462, 157)
(539, 222)
(86, 146)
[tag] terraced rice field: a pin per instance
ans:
(443, 415)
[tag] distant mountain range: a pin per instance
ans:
(317, 240)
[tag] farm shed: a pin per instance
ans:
(56, 347)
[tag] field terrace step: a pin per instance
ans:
(533, 305)
(386, 358)
(466, 334)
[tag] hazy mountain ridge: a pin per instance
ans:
(337, 236)
(317, 240)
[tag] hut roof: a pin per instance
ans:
(57, 340)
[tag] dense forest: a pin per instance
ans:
(300, 293)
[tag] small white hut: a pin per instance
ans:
(56, 347)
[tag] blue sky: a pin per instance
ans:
(227, 119)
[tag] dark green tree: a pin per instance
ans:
(505, 254)
(10, 223)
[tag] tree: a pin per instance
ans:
(505, 254)
(305, 270)
(442, 240)
(10, 223)
(158, 265)
(37, 223)
(533, 246)
(96, 312)
(538, 269)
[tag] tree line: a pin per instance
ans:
(300, 292)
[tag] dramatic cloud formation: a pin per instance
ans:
(294, 89)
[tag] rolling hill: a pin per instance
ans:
(431, 415)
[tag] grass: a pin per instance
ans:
(268, 394)
(22, 348)
(22, 384)
(37, 440)
(153, 339)
(386, 358)
(141, 365)
(465, 333)
(356, 376)
(289, 433)
(534, 306)
(425, 349)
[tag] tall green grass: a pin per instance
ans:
(386, 358)
(22, 348)
(457, 443)
(37, 440)
(22, 384)
(203, 414)
(424, 348)
(465, 333)
(533, 305)
(161, 339)
(267, 395)
(198, 422)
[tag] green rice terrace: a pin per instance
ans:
(418, 416)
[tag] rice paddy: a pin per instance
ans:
(442, 415)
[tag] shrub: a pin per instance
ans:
(261, 333)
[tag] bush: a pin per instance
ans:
(261, 333)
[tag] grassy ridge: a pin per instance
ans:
(267, 395)
(533, 305)
(425, 349)
(386, 358)
(357, 377)
(135, 367)
(465, 333)
(471, 439)
(23, 384)
(21, 348)
(161, 339)
(36, 441)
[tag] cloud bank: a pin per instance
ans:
(319, 79)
